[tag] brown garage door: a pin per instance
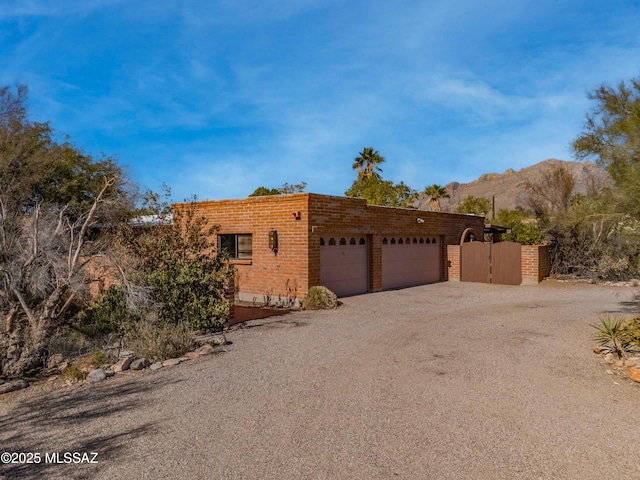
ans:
(410, 261)
(343, 264)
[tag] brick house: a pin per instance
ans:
(283, 244)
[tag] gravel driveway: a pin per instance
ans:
(445, 381)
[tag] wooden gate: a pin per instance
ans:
(499, 263)
(475, 262)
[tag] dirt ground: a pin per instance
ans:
(445, 381)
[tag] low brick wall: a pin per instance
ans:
(536, 263)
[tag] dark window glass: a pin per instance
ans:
(237, 246)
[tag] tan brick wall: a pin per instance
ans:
(296, 266)
(453, 256)
(536, 263)
(283, 274)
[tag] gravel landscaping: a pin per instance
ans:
(444, 381)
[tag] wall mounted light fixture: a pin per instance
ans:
(273, 240)
(419, 220)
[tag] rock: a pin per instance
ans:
(208, 349)
(184, 358)
(205, 350)
(13, 385)
(139, 364)
(97, 375)
(155, 366)
(634, 374)
(608, 357)
(110, 373)
(172, 362)
(123, 364)
(619, 363)
(629, 363)
(54, 360)
(212, 339)
(125, 354)
(609, 372)
(192, 355)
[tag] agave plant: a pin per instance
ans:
(611, 332)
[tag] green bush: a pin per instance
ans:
(97, 357)
(632, 331)
(156, 341)
(107, 313)
(72, 373)
(524, 233)
(319, 298)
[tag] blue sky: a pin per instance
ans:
(218, 97)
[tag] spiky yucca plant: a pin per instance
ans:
(611, 331)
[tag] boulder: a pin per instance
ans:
(155, 366)
(13, 385)
(172, 362)
(139, 364)
(54, 360)
(97, 375)
(123, 364)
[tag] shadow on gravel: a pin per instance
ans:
(632, 304)
(74, 420)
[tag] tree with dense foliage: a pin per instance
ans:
(611, 135)
(51, 194)
(474, 205)
(264, 191)
(434, 193)
(367, 163)
(286, 188)
(382, 192)
(175, 258)
(372, 187)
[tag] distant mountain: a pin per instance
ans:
(508, 188)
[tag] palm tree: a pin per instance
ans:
(435, 192)
(367, 162)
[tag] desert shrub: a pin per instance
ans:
(524, 233)
(97, 357)
(107, 313)
(72, 373)
(319, 298)
(632, 331)
(156, 340)
(611, 331)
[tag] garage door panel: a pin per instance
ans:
(344, 268)
(410, 264)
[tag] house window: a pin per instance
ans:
(238, 246)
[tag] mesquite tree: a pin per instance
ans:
(51, 194)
